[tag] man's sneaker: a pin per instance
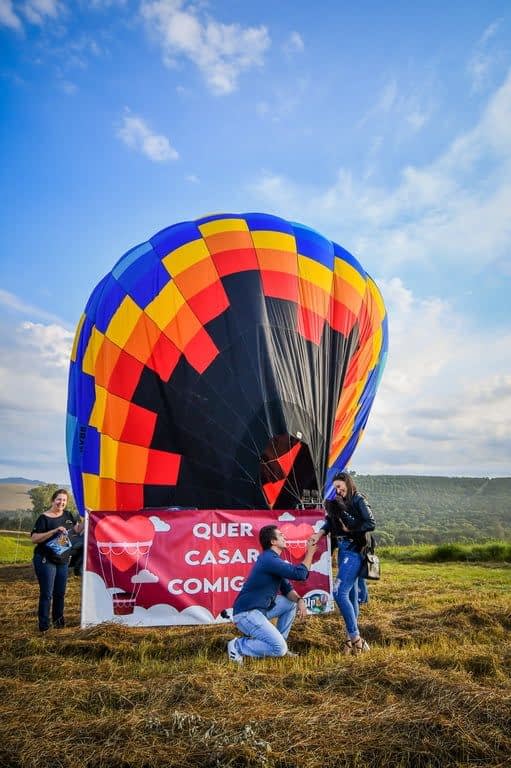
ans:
(233, 653)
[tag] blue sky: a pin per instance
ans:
(385, 126)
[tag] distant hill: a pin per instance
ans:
(14, 496)
(431, 510)
(20, 481)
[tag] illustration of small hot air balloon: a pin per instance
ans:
(123, 548)
(296, 536)
(228, 362)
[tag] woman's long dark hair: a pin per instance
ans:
(350, 485)
(338, 506)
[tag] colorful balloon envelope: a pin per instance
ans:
(229, 362)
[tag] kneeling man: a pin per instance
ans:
(258, 601)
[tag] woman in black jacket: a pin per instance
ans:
(348, 519)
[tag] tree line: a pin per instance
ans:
(408, 509)
(435, 510)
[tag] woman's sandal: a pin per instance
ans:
(360, 646)
(347, 648)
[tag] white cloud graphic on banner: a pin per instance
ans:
(322, 565)
(162, 614)
(98, 608)
(159, 525)
(286, 517)
(144, 577)
(97, 600)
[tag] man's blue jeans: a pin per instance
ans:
(52, 589)
(262, 638)
(346, 587)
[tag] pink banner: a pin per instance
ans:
(163, 566)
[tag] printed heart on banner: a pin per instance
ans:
(124, 542)
(296, 537)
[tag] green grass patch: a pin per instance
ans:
(487, 552)
(15, 547)
(18, 548)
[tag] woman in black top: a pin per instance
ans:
(52, 577)
(349, 519)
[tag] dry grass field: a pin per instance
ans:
(14, 496)
(435, 690)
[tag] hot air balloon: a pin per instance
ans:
(227, 362)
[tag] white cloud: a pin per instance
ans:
(439, 405)
(283, 103)
(144, 577)
(159, 525)
(51, 342)
(102, 4)
(137, 134)
(34, 11)
(33, 385)
(430, 213)
(372, 156)
(285, 517)
(405, 108)
(416, 119)
(76, 54)
(384, 103)
(220, 51)
(387, 97)
(7, 16)
(38, 11)
(33, 368)
(13, 303)
(482, 59)
(294, 43)
(68, 87)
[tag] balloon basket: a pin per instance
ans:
(124, 603)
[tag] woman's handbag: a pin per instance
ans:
(58, 549)
(370, 567)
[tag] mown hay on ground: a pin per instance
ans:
(434, 692)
